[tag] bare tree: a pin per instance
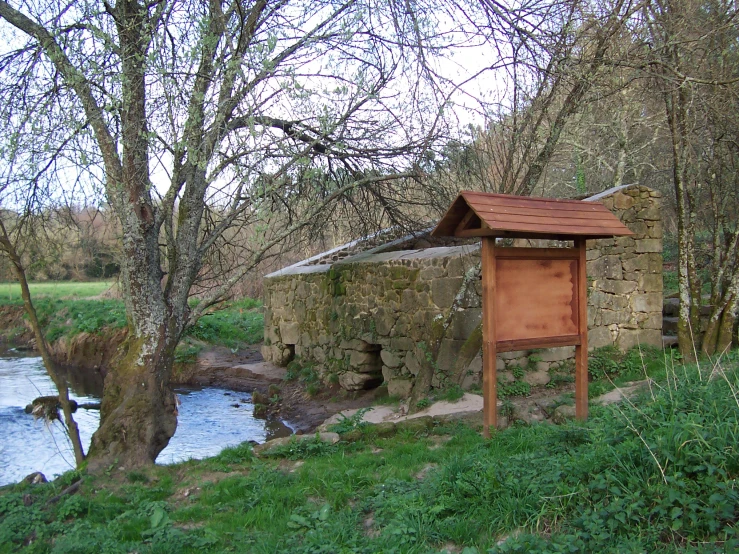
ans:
(195, 118)
(694, 69)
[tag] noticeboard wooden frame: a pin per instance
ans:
(531, 297)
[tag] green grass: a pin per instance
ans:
(11, 292)
(64, 309)
(657, 477)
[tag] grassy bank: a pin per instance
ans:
(658, 476)
(67, 309)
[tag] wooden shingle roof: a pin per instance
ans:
(478, 214)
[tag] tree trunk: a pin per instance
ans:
(51, 367)
(428, 364)
(726, 330)
(138, 414)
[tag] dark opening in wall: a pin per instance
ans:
(288, 355)
(366, 361)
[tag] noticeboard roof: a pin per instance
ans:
(481, 214)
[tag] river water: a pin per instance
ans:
(209, 420)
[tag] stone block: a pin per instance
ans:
(636, 263)
(391, 359)
(400, 388)
(384, 320)
(651, 213)
(359, 345)
(622, 201)
(408, 300)
(456, 266)
(505, 377)
(431, 272)
(388, 373)
(537, 378)
(649, 245)
(652, 321)
(365, 362)
(464, 323)
(402, 343)
(352, 380)
(628, 338)
(563, 413)
(647, 302)
(443, 291)
(412, 363)
(475, 365)
(599, 337)
(610, 317)
(289, 332)
(557, 354)
(615, 287)
(650, 282)
(319, 354)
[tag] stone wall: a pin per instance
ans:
(383, 317)
(625, 301)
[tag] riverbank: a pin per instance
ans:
(222, 351)
(656, 476)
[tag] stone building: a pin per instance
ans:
(385, 314)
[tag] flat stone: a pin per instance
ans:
(563, 413)
(289, 332)
(443, 291)
(412, 363)
(615, 287)
(352, 380)
(390, 359)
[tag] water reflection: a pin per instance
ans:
(210, 419)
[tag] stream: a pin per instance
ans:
(209, 420)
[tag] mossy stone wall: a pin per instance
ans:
(370, 319)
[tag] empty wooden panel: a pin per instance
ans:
(536, 298)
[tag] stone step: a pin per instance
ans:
(669, 325)
(669, 341)
(671, 306)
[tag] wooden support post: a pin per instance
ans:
(489, 352)
(581, 350)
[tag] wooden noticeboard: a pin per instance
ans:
(531, 297)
